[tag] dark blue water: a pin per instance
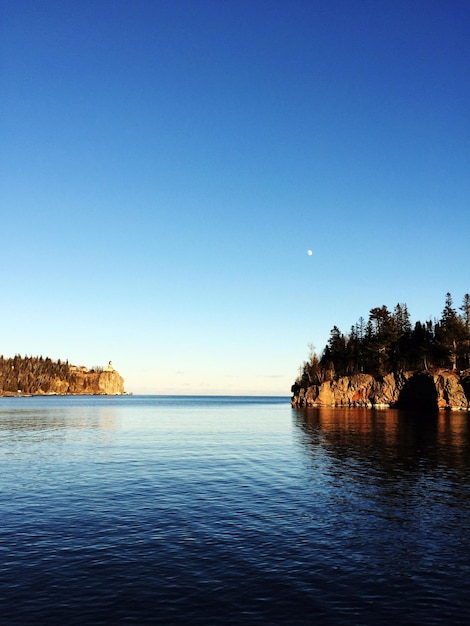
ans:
(163, 510)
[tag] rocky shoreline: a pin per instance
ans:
(439, 389)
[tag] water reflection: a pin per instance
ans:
(390, 440)
(211, 512)
(396, 492)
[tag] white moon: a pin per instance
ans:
(309, 252)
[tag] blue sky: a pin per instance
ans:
(165, 166)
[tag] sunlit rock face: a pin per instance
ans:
(442, 389)
(110, 383)
(97, 383)
(92, 383)
(450, 391)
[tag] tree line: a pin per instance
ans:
(389, 342)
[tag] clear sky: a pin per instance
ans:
(166, 166)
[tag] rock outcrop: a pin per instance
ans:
(441, 389)
(108, 383)
(83, 383)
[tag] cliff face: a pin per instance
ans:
(442, 389)
(111, 384)
(95, 383)
(86, 383)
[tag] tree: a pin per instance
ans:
(465, 317)
(451, 332)
(465, 308)
(381, 336)
(312, 371)
(388, 342)
(421, 346)
(337, 351)
(401, 318)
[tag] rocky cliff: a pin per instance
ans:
(84, 383)
(38, 376)
(443, 389)
(108, 383)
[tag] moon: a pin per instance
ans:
(309, 252)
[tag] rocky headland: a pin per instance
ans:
(21, 376)
(440, 389)
(386, 361)
(107, 382)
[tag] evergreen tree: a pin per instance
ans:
(465, 308)
(388, 342)
(451, 332)
(465, 317)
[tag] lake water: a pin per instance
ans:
(231, 511)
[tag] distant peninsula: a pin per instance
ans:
(387, 362)
(24, 376)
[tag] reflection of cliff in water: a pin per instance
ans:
(391, 441)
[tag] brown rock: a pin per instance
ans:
(450, 391)
(442, 389)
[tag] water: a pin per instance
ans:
(233, 511)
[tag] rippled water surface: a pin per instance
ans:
(233, 511)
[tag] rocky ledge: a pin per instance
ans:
(442, 389)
